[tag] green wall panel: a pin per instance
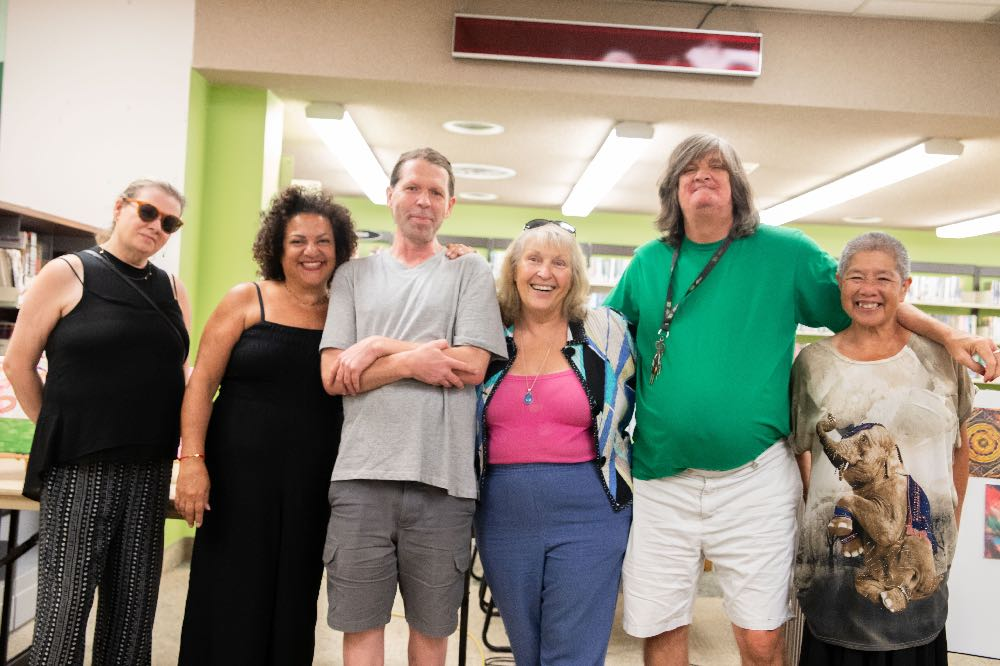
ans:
(232, 154)
(493, 221)
(194, 191)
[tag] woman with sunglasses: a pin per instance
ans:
(555, 499)
(256, 464)
(114, 329)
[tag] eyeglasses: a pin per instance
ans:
(541, 222)
(150, 213)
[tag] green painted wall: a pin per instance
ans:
(194, 182)
(493, 221)
(223, 184)
(228, 145)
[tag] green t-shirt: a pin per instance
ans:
(722, 397)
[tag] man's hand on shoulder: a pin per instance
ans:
(964, 348)
(429, 364)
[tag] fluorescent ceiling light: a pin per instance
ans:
(617, 155)
(337, 130)
(974, 227)
(923, 157)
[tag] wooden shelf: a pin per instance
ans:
(39, 222)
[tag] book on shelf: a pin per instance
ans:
(935, 288)
(964, 323)
(18, 266)
(607, 270)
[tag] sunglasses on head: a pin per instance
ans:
(541, 222)
(150, 213)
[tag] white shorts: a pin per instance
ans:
(743, 520)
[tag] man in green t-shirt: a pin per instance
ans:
(714, 306)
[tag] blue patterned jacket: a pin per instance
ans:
(601, 353)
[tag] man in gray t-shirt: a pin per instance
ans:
(408, 335)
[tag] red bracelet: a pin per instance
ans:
(192, 455)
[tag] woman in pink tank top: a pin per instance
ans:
(555, 500)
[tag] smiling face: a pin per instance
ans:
(871, 288)
(307, 256)
(419, 201)
(704, 188)
(543, 277)
(141, 238)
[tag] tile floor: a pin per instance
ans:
(711, 640)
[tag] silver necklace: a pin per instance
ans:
(528, 398)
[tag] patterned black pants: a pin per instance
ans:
(100, 526)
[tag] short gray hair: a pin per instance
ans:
(876, 241)
(695, 147)
(575, 305)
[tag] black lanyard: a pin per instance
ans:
(670, 309)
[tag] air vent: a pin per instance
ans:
(482, 171)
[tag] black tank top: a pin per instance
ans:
(115, 372)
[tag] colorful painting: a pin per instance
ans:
(984, 443)
(992, 525)
(16, 431)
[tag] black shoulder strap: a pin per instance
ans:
(260, 300)
(152, 304)
(72, 269)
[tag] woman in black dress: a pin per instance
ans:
(113, 327)
(255, 465)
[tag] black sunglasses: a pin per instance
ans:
(150, 213)
(541, 222)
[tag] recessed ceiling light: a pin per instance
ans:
(862, 219)
(477, 196)
(482, 171)
(473, 127)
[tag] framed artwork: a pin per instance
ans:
(991, 525)
(984, 443)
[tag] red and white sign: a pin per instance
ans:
(607, 45)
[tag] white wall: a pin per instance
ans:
(974, 581)
(95, 94)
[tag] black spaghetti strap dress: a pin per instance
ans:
(270, 448)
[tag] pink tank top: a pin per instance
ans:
(554, 428)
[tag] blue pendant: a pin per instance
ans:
(528, 399)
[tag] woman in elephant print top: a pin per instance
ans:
(878, 426)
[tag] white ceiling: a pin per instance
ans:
(938, 10)
(550, 138)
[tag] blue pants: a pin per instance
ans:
(552, 550)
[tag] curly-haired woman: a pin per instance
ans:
(267, 444)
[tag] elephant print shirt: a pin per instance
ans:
(878, 533)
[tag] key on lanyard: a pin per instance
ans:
(658, 356)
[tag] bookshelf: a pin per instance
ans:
(28, 239)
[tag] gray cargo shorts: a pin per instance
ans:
(386, 532)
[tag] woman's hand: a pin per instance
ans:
(456, 250)
(191, 498)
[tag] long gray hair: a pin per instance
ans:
(695, 147)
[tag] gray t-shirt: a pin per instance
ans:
(919, 398)
(408, 430)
